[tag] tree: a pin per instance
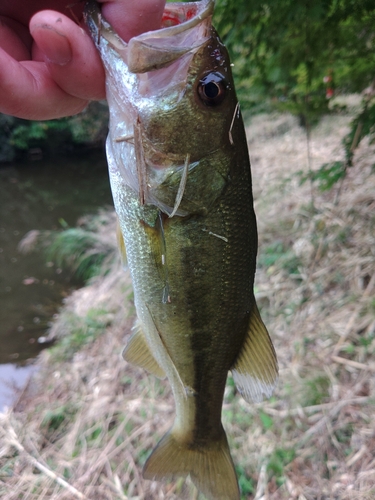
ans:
(294, 52)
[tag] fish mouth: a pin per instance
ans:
(151, 69)
(184, 29)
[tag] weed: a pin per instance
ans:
(55, 421)
(266, 420)
(326, 176)
(230, 390)
(343, 434)
(277, 254)
(80, 250)
(279, 459)
(272, 254)
(86, 251)
(349, 349)
(366, 341)
(67, 473)
(316, 390)
(80, 331)
(143, 455)
(245, 482)
(95, 434)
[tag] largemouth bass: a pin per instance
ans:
(181, 182)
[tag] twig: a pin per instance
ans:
(354, 316)
(118, 485)
(353, 147)
(367, 473)
(115, 486)
(362, 451)
(13, 441)
(356, 139)
(338, 406)
(353, 364)
(262, 482)
(313, 409)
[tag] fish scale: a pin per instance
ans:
(181, 181)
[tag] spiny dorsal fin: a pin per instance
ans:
(210, 466)
(255, 371)
(138, 353)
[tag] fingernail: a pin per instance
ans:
(54, 45)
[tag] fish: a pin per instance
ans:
(181, 182)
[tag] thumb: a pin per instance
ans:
(132, 17)
(72, 60)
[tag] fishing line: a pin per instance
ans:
(181, 187)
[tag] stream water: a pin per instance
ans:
(38, 195)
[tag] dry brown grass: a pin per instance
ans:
(318, 300)
(85, 425)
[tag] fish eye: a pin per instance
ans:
(212, 89)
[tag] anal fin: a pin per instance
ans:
(137, 352)
(255, 371)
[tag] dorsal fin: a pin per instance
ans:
(255, 371)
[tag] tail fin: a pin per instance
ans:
(211, 467)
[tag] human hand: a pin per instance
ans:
(49, 66)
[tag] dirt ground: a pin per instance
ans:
(86, 423)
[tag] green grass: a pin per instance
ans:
(79, 331)
(245, 482)
(278, 461)
(279, 255)
(79, 250)
(316, 390)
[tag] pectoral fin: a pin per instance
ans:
(255, 371)
(138, 353)
(121, 244)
